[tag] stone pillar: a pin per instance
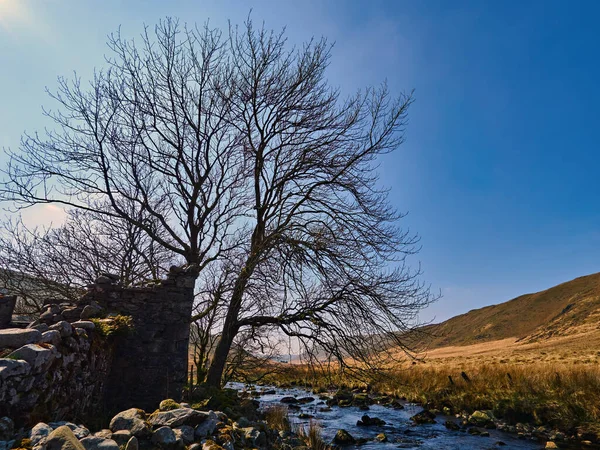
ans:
(150, 364)
(7, 305)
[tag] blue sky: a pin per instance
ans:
(500, 170)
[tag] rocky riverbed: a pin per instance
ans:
(371, 422)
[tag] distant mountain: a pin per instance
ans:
(569, 308)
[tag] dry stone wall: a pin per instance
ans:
(76, 361)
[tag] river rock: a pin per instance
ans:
(177, 417)
(78, 430)
(98, 443)
(132, 420)
(366, 421)
(63, 439)
(423, 417)
(305, 400)
(481, 418)
(551, 444)
(342, 437)
(289, 400)
(451, 425)
(18, 337)
(169, 404)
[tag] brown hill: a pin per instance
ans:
(567, 309)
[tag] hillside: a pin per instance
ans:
(566, 309)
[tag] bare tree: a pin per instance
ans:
(37, 263)
(234, 150)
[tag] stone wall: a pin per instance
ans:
(52, 375)
(64, 366)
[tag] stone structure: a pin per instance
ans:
(56, 374)
(151, 363)
(62, 366)
(7, 305)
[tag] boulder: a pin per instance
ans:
(63, 327)
(381, 437)
(39, 433)
(38, 357)
(63, 439)
(551, 444)
(254, 437)
(78, 430)
(289, 400)
(132, 420)
(18, 337)
(164, 437)
(121, 437)
(41, 327)
(342, 438)
(169, 404)
(177, 417)
(305, 400)
(12, 367)
(99, 443)
(207, 428)
(366, 421)
(105, 433)
(7, 428)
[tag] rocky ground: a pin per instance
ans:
(174, 426)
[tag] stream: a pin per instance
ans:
(400, 431)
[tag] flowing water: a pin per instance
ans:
(400, 431)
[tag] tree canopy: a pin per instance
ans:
(232, 152)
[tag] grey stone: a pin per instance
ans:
(78, 430)
(39, 433)
(41, 327)
(185, 433)
(38, 357)
(7, 428)
(177, 417)
(63, 327)
(6, 445)
(207, 428)
(105, 433)
(91, 311)
(85, 324)
(132, 444)
(51, 337)
(54, 309)
(72, 314)
(121, 437)
(99, 443)
(254, 437)
(63, 439)
(12, 367)
(132, 420)
(164, 437)
(103, 279)
(18, 337)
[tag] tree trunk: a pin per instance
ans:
(217, 366)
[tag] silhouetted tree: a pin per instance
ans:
(233, 150)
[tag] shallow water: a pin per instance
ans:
(398, 429)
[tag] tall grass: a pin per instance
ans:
(277, 418)
(561, 396)
(312, 436)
